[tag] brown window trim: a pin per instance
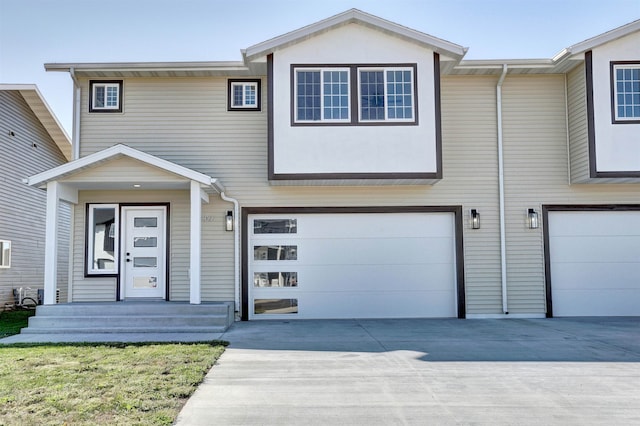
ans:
(258, 94)
(612, 66)
(120, 83)
(353, 96)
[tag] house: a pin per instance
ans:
(31, 141)
(356, 168)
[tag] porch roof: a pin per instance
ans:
(178, 177)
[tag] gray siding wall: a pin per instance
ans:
(23, 208)
(578, 132)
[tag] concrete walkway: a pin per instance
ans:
(583, 371)
(424, 372)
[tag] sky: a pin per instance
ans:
(35, 32)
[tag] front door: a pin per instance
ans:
(144, 252)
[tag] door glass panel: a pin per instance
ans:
(145, 262)
(275, 226)
(145, 282)
(275, 306)
(275, 279)
(145, 242)
(145, 222)
(275, 252)
(103, 239)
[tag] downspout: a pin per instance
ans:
(503, 238)
(75, 135)
(566, 116)
(236, 248)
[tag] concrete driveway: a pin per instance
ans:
(583, 371)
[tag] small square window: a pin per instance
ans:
(244, 95)
(106, 96)
(625, 92)
(5, 254)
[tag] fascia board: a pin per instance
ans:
(599, 40)
(147, 66)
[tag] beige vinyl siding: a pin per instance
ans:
(217, 247)
(23, 208)
(125, 170)
(578, 130)
(185, 120)
(536, 174)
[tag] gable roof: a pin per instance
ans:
(113, 153)
(599, 40)
(441, 46)
(562, 62)
(44, 114)
(251, 65)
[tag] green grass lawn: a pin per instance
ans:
(12, 321)
(89, 384)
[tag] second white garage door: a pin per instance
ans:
(594, 263)
(373, 265)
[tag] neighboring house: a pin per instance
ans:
(357, 168)
(31, 141)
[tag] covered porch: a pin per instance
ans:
(122, 172)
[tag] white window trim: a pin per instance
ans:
(106, 84)
(89, 255)
(616, 67)
(244, 84)
(321, 71)
(5, 245)
(386, 96)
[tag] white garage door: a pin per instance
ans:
(376, 265)
(595, 263)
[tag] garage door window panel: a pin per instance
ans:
(275, 279)
(275, 252)
(275, 226)
(275, 306)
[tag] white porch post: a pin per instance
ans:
(51, 244)
(195, 259)
(55, 193)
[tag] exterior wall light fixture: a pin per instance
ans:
(228, 221)
(532, 219)
(475, 219)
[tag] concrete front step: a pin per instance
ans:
(131, 317)
(134, 308)
(158, 321)
(123, 330)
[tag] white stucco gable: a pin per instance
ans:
(258, 52)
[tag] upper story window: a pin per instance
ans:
(625, 80)
(322, 95)
(106, 96)
(386, 94)
(244, 95)
(353, 95)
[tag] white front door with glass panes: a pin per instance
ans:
(144, 252)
